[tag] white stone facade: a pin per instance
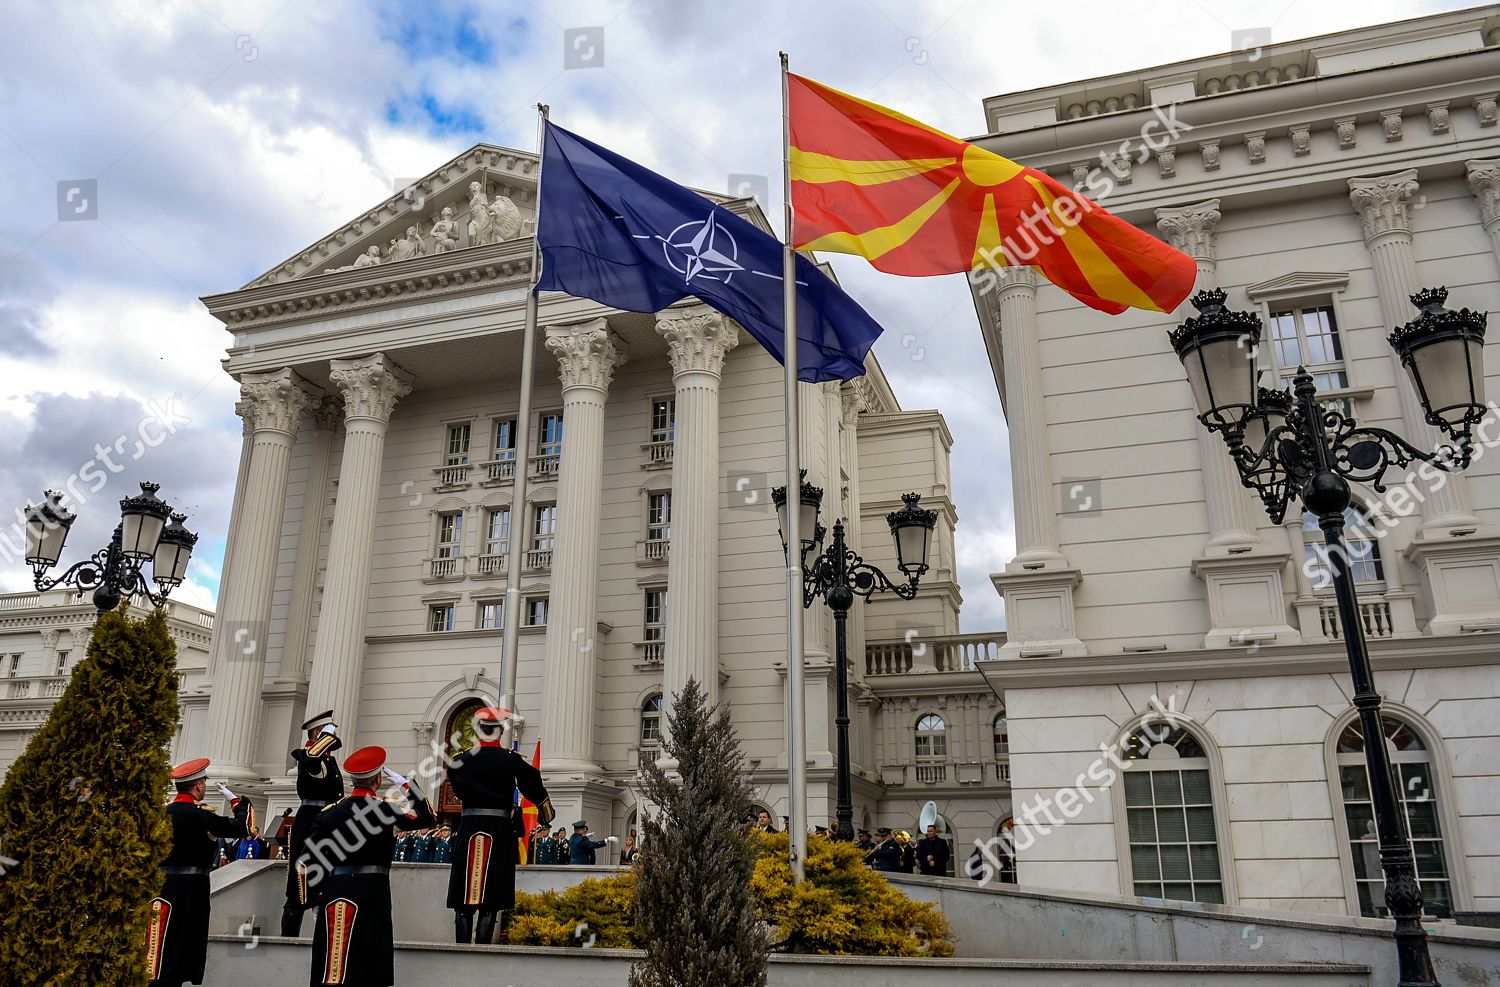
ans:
(43, 637)
(363, 564)
(1323, 182)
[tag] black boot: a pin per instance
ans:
(291, 921)
(463, 926)
(485, 931)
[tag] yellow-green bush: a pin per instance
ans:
(600, 907)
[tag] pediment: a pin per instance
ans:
(1298, 283)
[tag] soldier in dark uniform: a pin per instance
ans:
(887, 855)
(581, 845)
(482, 876)
(352, 940)
(177, 937)
(319, 785)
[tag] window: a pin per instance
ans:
(932, 737)
(550, 435)
(450, 535)
(1007, 847)
(1417, 790)
(497, 531)
(440, 617)
(1306, 336)
(651, 721)
(505, 439)
(15, 665)
(659, 517)
(543, 527)
(62, 662)
(490, 615)
(1169, 813)
(457, 453)
(536, 612)
(654, 618)
(664, 420)
(1002, 736)
(1365, 564)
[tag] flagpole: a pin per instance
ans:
(796, 747)
(510, 641)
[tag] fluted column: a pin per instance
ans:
(1191, 230)
(273, 405)
(295, 654)
(587, 356)
(371, 386)
(1382, 205)
(1484, 182)
(1030, 452)
(698, 338)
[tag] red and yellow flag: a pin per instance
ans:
(914, 201)
(529, 811)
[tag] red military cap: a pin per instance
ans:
(190, 770)
(492, 715)
(365, 762)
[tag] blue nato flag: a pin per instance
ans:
(626, 237)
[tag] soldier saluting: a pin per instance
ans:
(348, 864)
(177, 936)
(482, 875)
(319, 785)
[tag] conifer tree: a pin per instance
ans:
(695, 910)
(82, 813)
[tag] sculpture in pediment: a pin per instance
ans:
(481, 221)
(445, 232)
(507, 218)
(411, 245)
(369, 258)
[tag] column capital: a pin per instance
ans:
(587, 355)
(698, 337)
(1190, 229)
(1014, 278)
(275, 401)
(327, 413)
(850, 405)
(371, 386)
(1382, 202)
(1484, 182)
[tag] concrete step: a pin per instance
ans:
(237, 961)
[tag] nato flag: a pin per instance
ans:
(624, 236)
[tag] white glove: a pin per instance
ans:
(611, 839)
(224, 790)
(331, 729)
(394, 777)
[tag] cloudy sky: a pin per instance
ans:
(224, 136)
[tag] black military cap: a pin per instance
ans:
(883, 831)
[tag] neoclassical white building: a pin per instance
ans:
(43, 637)
(1319, 183)
(365, 566)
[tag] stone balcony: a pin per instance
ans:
(948, 772)
(944, 653)
(496, 472)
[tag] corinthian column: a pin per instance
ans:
(1383, 213)
(371, 386)
(1484, 182)
(272, 405)
(294, 652)
(586, 357)
(698, 338)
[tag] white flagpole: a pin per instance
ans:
(796, 747)
(510, 641)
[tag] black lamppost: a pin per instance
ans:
(839, 575)
(118, 570)
(1290, 445)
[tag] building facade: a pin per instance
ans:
(1319, 183)
(43, 637)
(366, 564)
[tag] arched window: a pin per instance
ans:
(651, 721)
(932, 737)
(1169, 816)
(1417, 791)
(1365, 564)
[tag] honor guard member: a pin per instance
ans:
(319, 785)
(581, 845)
(482, 875)
(348, 861)
(177, 937)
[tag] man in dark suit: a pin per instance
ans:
(177, 935)
(319, 785)
(482, 875)
(581, 845)
(932, 854)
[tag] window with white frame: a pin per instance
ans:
(1002, 736)
(1169, 815)
(659, 516)
(1363, 552)
(15, 665)
(1307, 335)
(457, 447)
(489, 615)
(62, 662)
(550, 435)
(654, 615)
(543, 527)
(440, 617)
(932, 736)
(536, 612)
(450, 535)
(664, 420)
(505, 439)
(1418, 792)
(651, 721)
(497, 531)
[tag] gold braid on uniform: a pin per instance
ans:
(320, 746)
(545, 813)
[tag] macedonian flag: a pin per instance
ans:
(914, 201)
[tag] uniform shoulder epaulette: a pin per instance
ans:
(206, 807)
(330, 805)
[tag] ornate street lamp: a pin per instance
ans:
(1290, 445)
(839, 575)
(117, 571)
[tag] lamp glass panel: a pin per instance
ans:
(1440, 372)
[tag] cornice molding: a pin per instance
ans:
(1297, 283)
